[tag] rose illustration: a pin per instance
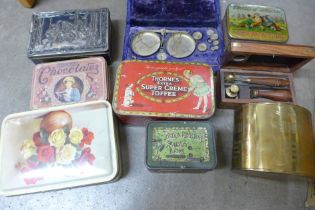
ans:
(36, 139)
(46, 153)
(66, 154)
(28, 148)
(57, 138)
(76, 135)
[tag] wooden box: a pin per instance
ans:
(252, 60)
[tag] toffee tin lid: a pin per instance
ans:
(58, 147)
(181, 145)
(163, 89)
(255, 22)
(69, 33)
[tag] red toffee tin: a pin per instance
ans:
(71, 81)
(158, 89)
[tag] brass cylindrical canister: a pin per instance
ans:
(274, 137)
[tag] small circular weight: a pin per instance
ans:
(180, 45)
(197, 35)
(214, 37)
(214, 48)
(232, 91)
(145, 43)
(215, 42)
(210, 31)
(161, 56)
(229, 78)
(202, 47)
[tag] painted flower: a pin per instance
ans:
(57, 138)
(86, 155)
(28, 148)
(26, 166)
(36, 139)
(66, 154)
(46, 153)
(87, 137)
(76, 135)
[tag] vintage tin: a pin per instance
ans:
(274, 138)
(58, 147)
(254, 22)
(180, 146)
(64, 82)
(69, 34)
(163, 90)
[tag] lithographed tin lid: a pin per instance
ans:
(69, 33)
(254, 22)
(58, 147)
(180, 145)
(71, 81)
(164, 90)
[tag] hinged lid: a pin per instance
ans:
(267, 56)
(173, 12)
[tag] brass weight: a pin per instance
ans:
(274, 137)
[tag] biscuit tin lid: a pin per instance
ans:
(164, 90)
(71, 81)
(254, 22)
(58, 147)
(180, 145)
(174, 12)
(70, 32)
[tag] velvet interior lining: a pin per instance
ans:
(209, 56)
(173, 13)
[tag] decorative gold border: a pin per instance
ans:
(159, 114)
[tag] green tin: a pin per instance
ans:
(254, 22)
(180, 146)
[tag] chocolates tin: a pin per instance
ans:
(163, 90)
(69, 34)
(254, 22)
(180, 146)
(58, 147)
(72, 81)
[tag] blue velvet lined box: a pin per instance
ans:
(188, 16)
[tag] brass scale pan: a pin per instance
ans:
(274, 138)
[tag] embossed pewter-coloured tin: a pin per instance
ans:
(156, 89)
(274, 138)
(58, 147)
(180, 146)
(72, 81)
(65, 34)
(254, 22)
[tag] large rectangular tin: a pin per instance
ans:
(34, 156)
(180, 146)
(254, 22)
(69, 34)
(88, 77)
(163, 90)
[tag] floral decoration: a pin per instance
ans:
(60, 148)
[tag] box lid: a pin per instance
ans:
(164, 90)
(255, 22)
(262, 56)
(88, 78)
(68, 33)
(180, 145)
(173, 12)
(58, 147)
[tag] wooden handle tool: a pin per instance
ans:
(275, 95)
